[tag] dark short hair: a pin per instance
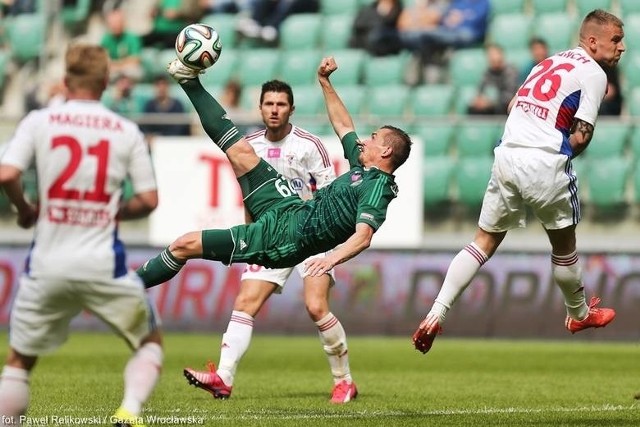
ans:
(401, 143)
(276, 86)
(537, 40)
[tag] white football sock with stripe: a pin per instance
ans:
(14, 393)
(235, 343)
(567, 273)
(141, 376)
(334, 343)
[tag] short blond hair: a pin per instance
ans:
(87, 67)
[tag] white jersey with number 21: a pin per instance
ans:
(565, 86)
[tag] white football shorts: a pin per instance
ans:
(530, 177)
(43, 309)
(279, 276)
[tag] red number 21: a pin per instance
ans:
(59, 190)
(545, 80)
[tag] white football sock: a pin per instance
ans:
(140, 376)
(567, 273)
(462, 269)
(235, 343)
(334, 343)
(14, 393)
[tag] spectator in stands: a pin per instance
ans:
(168, 20)
(163, 103)
(17, 7)
(498, 85)
(225, 6)
(612, 103)
(429, 31)
(124, 47)
(375, 28)
(539, 51)
(267, 15)
(120, 99)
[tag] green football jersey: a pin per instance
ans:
(360, 195)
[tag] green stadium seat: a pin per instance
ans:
(300, 67)
(315, 126)
(222, 71)
(633, 102)
(557, 29)
(258, 66)
(520, 58)
(607, 181)
(549, 6)
(386, 70)
(471, 177)
(431, 100)
(301, 31)
(631, 33)
(5, 56)
(499, 7)
(437, 175)
(30, 184)
(636, 181)
(511, 31)
(350, 66)
(583, 7)
(76, 14)
(467, 66)
(352, 96)
(335, 8)
(477, 138)
(308, 100)
(437, 138)
(465, 94)
(225, 26)
(336, 32)
(250, 97)
(381, 104)
(628, 7)
(634, 142)
(27, 34)
(609, 139)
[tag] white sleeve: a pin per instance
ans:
(140, 167)
(319, 165)
(594, 87)
(21, 148)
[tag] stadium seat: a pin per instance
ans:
(631, 33)
(519, 58)
(499, 7)
(463, 97)
(609, 139)
(467, 66)
(511, 31)
(558, 29)
(300, 67)
(585, 6)
(26, 35)
(301, 31)
(436, 176)
(628, 7)
(308, 100)
(634, 142)
(386, 70)
(352, 96)
(351, 65)
(607, 181)
(223, 70)
(335, 8)
(431, 100)
(76, 13)
(318, 127)
(225, 26)
(258, 66)
(380, 104)
(5, 55)
(436, 138)
(336, 32)
(636, 181)
(633, 102)
(477, 138)
(549, 6)
(471, 177)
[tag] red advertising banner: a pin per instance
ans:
(389, 292)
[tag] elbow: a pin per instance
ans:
(8, 174)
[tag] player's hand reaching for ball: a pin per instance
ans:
(327, 66)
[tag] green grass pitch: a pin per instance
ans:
(285, 381)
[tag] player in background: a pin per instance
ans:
(551, 121)
(83, 152)
(301, 158)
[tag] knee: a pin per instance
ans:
(247, 304)
(187, 246)
(317, 309)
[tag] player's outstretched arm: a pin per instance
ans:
(358, 242)
(338, 115)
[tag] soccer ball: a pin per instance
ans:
(198, 46)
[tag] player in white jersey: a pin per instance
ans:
(302, 158)
(551, 120)
(83, 153)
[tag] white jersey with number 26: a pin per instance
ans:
(565, 86)
(83, 154)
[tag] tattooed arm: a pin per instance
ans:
(581, 133)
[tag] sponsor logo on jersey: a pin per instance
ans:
(536, 110)
(297, 184)
(274, 153)
(356, 178)
(368, 217)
